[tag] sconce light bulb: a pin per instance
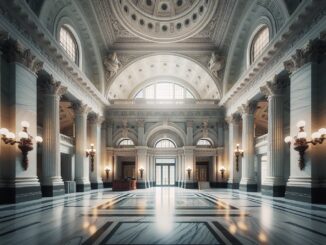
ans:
(322, 131)
(315, 135)
(25, 124)
(38, 139)
(302, 135)
(288, 139)
(107, 169)
(92, 144)
(238, 145)
(4, 131)
(22, 135)
(301, 124)
(11, 135)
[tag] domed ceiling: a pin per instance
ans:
(164, 20)
(163, 68)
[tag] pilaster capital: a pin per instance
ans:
(49, 86)
(235, 118)
(15, 52)
(189, 124)
(248, 108)
(81, 109)
(272, 88)
(314, 51)
(140, 123)
(96, 119)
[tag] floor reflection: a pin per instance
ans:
(164, 209)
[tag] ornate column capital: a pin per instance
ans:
(314, 51)
(235, 118)
(248, 108)
(274, 87)
(80, 108)
(96, 119)
(140, 123)
(49, 86)
(189, 123)
(15, 52)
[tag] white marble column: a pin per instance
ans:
(82, 166)
(274, 184)
(234, 139)
(18, 102)
(190, 163)
(248, 181)
(51, 181)
(95, 122)
(308, 103)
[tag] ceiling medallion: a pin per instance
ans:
(164, 21)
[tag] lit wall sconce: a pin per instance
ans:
(238, 153)
(189, 172)
(24, 141)
(222, 170)
(107, 171)
(91, 153)
(141, 170)
(300, 142)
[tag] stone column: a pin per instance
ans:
(51, 181)
(18, 102)
(82, 167)
(190, 133)
(274, 184)
(191, 182)
(308, 103)
(107, 182)
(95, 122)
(234, 139)
(248, 181)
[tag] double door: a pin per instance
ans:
(165, 174)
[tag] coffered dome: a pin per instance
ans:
(164, 20)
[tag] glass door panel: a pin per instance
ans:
(158, 175)
(165, 175)
(172, 175)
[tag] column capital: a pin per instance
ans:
(96, 119)
(51, 87)
(235, 118)
(248, 108)
(15, 52)
(80, 108)
(141, 123)
(189, 123)
(314, 51)
(272, 88)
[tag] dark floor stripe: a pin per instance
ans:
(177, 215)
(97, 234)
(19, 228)
(227, 234)
(307, 229)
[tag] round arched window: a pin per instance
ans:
(69, 44)
(259, 42)
(165, 143)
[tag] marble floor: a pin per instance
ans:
(163, 216)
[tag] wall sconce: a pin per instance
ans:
(300, 142)
(24, 142)
(91, 153)
(141, 170)
(107, 171)
(189, 172)
(238, 153)
(222, 170)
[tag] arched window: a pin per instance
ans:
(69, 44)
(164, 91)
(165, 143)
(259, 42)
(204, 143)
(126, 143)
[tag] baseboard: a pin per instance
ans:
(83, 187)
(273, 191)
(52, 190)
(21, 194)
(309, 195)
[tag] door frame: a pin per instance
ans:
(169, 165)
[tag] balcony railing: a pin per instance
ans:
(64, 139)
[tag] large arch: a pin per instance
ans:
(183, 69)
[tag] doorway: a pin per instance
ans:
(202, 171)
(165, 172)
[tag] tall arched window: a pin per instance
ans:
(259, 42)
(69, 44)
(165, 143)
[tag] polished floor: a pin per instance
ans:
(163, 216)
